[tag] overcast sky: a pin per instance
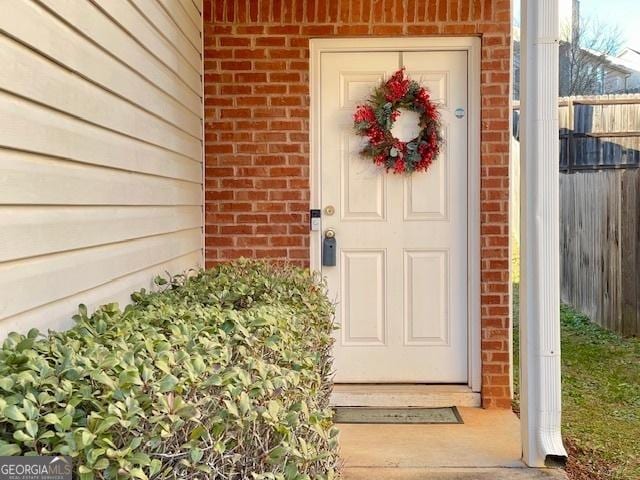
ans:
(623, 13)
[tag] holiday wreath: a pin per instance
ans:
(375, 119)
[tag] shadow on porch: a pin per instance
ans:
(486, 446)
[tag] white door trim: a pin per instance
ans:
(472, 46)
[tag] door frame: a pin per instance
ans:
(471, 45)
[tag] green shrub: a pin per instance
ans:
(223, 374)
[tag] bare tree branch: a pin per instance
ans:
(583, 56)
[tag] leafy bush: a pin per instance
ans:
(223, 374)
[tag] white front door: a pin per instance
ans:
(401, 276)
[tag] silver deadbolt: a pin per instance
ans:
(459, 112)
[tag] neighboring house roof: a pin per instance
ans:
(629, 50)
(611, 62)
(623, 63)
(630, 57)
(515, 33)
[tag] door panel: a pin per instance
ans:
(425, 196)
(362, 189)
(401, 274)
(363, 311)
(426, 305)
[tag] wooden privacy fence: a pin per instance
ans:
(599, 246)
(599, 207)
(596, 132)
(599, 132)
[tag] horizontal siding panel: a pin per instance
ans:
(198, 5)
(117, 35)
(57, 315)
(192, 12)
(31, 127)
(33, 76)
(29, 179)
(29, 231)
(163, 24)
(38, 28)
(30, 283)
(183, 21)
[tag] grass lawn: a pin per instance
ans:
(601, 398)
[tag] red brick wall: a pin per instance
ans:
(257, 122)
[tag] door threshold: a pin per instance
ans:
(404, 395)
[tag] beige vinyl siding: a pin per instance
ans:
(100, 152)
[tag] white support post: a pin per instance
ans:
(540, 245)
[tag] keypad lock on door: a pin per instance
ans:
(329, 248)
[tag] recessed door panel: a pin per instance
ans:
(436, 82)
(363, 310)
(426, 196)
(426, 303)
(354, 86)
(362, 188)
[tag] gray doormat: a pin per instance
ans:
(408, 415)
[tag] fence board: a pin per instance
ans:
(599, 243)
(630, 264)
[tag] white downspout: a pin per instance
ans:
(539, 236)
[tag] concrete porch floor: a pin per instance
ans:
(486, 446)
